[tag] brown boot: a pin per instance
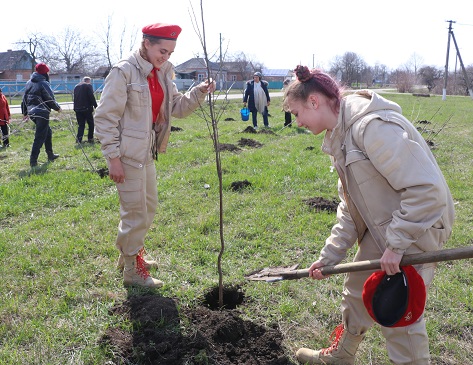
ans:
(135, 273)
(149, 264)
(341, 351)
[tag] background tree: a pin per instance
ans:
(350, 65)
(115, 48)
(413, 64)
(380, 74)
(404, 80)
(32, 44)
(430, 76)
(70, 52)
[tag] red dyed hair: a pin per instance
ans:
(313, 81)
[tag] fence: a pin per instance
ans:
(15, 89)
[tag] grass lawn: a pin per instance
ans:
(58, 225)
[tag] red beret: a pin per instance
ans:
(161, 30)
(42, 68)
(397, 300)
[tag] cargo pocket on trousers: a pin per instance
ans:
(131, 194)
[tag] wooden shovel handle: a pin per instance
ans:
(420, 258)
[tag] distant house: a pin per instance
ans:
(276, 74)
(228, 74)
(101, 72)
(15, 65)
(238, 71)
(196, 69)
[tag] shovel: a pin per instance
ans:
(290, 273)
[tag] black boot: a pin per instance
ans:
(51, 156)
(33, 163)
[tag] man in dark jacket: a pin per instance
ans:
(37, 103)
(84, 104)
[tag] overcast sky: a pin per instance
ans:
(280, 34)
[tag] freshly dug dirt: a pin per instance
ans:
(318, 203)
(162, 335)
(248, 142)
(239, 185)
(249, 129)
(228, 147)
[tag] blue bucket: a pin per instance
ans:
(245, 114)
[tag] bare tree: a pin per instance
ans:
(404, 80)
(351, 65)
(414, 63)
(70, 52)
(32, 44)
(243, 66)
(115, 49)
(212, 116)
(380, 73)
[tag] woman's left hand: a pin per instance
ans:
(390, 262)
(208, 86)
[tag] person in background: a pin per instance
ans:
(287, 115)
(133, 125)
(5, 117)
(84, 104)
(257, 97)
(394, 202)
(37, 103)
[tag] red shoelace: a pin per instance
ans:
(141, 264)
(335, 337)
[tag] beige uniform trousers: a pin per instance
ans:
(405, 345)
(138, 202)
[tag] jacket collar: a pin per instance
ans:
(146, 67)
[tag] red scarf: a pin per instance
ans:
(157, 93)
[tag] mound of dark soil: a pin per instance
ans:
(249, 129)
(176, 129)
(248, 142)
(161, 335)
(266, 131)
(228, 147)
(240, 185)
(320, 203)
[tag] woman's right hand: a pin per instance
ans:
(115, 170)
(314, 271)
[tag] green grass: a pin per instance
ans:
(58, 226)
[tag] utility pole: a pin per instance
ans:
(465, 75)
(444, 92)
(221, 64)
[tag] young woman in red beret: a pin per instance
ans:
(394, 202)
(132, 122)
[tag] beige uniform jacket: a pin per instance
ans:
(123, 118)
(389, 182)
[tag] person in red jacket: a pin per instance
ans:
(4, 119)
